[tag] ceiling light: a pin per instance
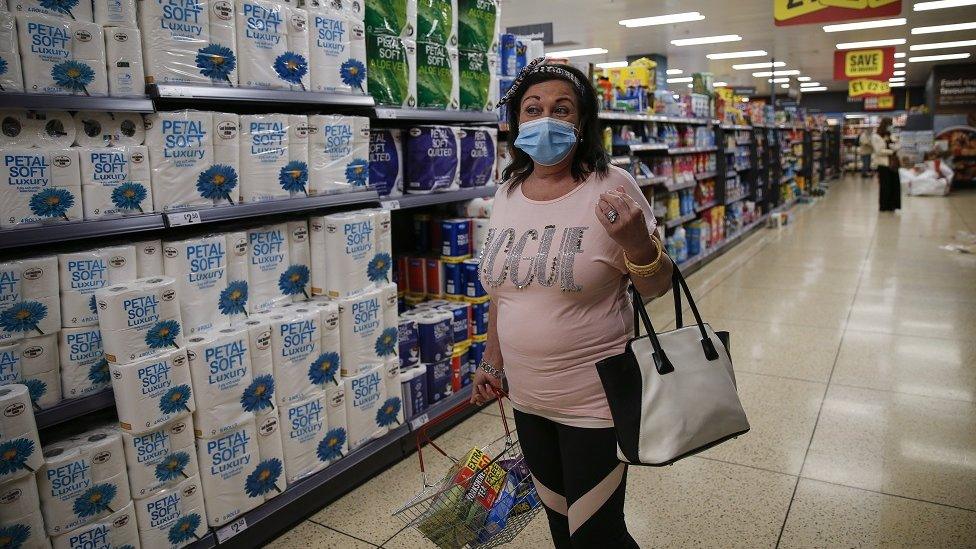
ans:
(871, 43)
(855, 116)
(809, 84)
(675, 71)
(679, 80)
(776, 73)
(900, 65)
(941, 45)
(766, 65)
(940, 4)
(814, 89)
(778, 80)
(923, 58)
(945, 28)
(689, 86)
(576, 53)
(676, 96)
(896, 84)
(866, 25)
(803, 78)
(898, 73)
(612, 65)
(737, 54)
(662, 19)
(784, 85)
(706, 40)
(896, 79)
(719, 84)
(899, 54)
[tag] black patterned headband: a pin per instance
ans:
(539, 66)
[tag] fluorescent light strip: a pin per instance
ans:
(778, 80)
(675, 71)
(706, 40)
(944, 57)
(765, 65)
(900, 54)
(855, 116)
(898, 73)
(896, 85)
(945, 28)
(942, 4)
(896, 79)
(900, 65)
(809, 84)
(803, 78)
(679, 80)
(719, 84)
(866, 25)
(871, 43)
(576, 53)
(662, 19)
(784, 85)
(737, 54)
(790, 72)
(612, 65)
(814, 89)
(942, 45)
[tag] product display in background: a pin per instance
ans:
(40, 186)
(62, 56)
(338, 153)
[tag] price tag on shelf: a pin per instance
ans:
(391, 204)
(231, 530)
(419, 421)
(175, 219)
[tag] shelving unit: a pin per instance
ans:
(420, 200)
(33, 101)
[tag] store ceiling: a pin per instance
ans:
(593, 23)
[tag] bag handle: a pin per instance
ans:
(423, 436)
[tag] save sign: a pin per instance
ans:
(876, 63)
(857, 88)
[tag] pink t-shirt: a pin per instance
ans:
(558, 283)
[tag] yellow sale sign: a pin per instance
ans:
(864, 86)
(804, 12)
(864, 62)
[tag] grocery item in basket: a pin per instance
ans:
(517, 496)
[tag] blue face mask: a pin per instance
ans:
(546, 140)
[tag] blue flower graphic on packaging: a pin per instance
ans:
(324, 369)
(23, 317)
(129, 196)
(379, 267)
(14, 455)
(330, 448)
(14, 536)
(294, 280)
(184, 529)
(171, 467)
(36, 389)
(357, 172)
(95, 500)
(93, 305)
(60, 6)
(233, 298)
(3, 70)
(258, 395)
(216, 62)
(386, 343)
(73, 75)
(98, 374)
(52, 202)
(163, 334)
(291, 67)
(217, 182)
(175, 400)
(386, 415)
(264, 478)
(294, 176)
(353, 73)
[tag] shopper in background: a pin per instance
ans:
(864, 149)
(568, 233)
(886, 159)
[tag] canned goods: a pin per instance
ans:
(479, 318)
(461, 325)
(455, 237)
(416, 276)
(472, 280)
(434, 284)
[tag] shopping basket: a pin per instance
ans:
(463, 509)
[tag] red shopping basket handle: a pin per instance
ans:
(423, 436)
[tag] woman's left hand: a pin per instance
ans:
(629, 228)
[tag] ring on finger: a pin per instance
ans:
(612, 216)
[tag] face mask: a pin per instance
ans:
(546, 140)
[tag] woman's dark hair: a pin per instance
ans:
(589, 155)
(884, 127)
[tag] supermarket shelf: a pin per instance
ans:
(287, 205)
(735, 127)
(77, 230)
(689, 150)
(705, 175)
(743, 168)
(642, 147)
(620, 160)
(66, 410)
(683, 219)
(742, 143)
(420, 200)
(648, 181)
(700, 260)
(637, 117)
(685, 184)
(431, 115)
(736, 199)
(703, 207)
(166, 95)
(35, 101)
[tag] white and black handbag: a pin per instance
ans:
(672, 394)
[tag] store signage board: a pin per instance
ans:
(879, 103)
(805, 12)
(541, 31)
(864, 86)
(873, 63)
(955, 88)
(744, 90)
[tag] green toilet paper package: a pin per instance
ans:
(391, 17)
(478, 25)
(391, 70)
(437, 76)
(437, 22)
(475, 80)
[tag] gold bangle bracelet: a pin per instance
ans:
(651, 268)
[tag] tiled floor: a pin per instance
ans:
(853, 342)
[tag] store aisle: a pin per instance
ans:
(852, 338)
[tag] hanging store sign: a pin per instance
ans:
(879, 103)
(873, 63)
(805, 12)
(863, 86)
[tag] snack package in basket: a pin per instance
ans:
(517, 496)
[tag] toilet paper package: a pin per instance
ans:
(478, 158)
(268, 263)
(51, 129)
(338, 153)
(20, 504)
(391, 410)
(116, 530)
(318, 263)
(391, 70)
(32, 526)
(84, 369)
(40, 186)
(62, 56)
(227, 151)
(189, 42)
(74, 11)
(174, 517)
(12, 79)
(408, 342)
(28, 278)
(30, 317)
(82, 480)
(149, 258)
(234, 480)
(383, 223)
(238, 252)
(220, 367)
(478, 25)
(431, 159)
(350, 246)
(298, 275)
(294, 175)
(94, 128)
(336, 69)
(479, 235)
(152, 391)
(264, 158)
(439, 384)
(386, 161)
(116, 13)
(435, 331)
(18, 434)
(329, 327)
(115, 181)
(475, 77)
(263, 29)
(81, 274)
(303, 426)
(295, 343)
(413, 383)
(271, 451)
(199, 266)
(336, 440)
(10, 371)
(123, 54)
(367, 413)
(354, 9)
(160, 458)
(259, 343)
(294, 69)
(139, 318)
(437, 22)
(363, 332)
(17, 127)
(437, 76)
(44, 387)
(392, 17)
(39, 354)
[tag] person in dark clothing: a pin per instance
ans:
(885, 157)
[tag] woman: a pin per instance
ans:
(568, 233)
(864, 149)
(886, 159)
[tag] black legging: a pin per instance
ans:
(580, 481)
